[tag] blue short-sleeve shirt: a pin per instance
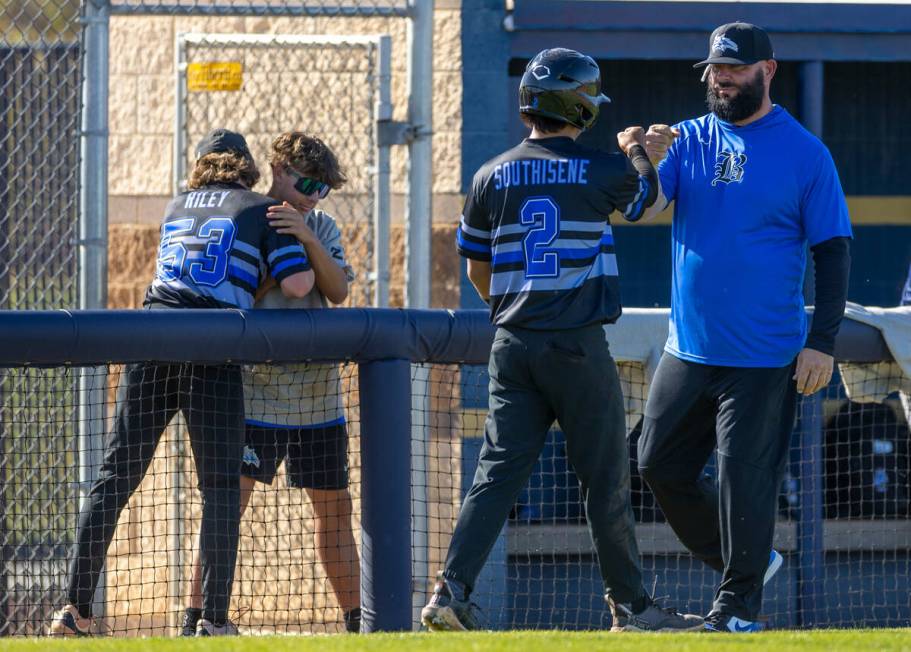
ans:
(747, 202)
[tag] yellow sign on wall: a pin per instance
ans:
(215, 76)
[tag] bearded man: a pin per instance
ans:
(751, 190)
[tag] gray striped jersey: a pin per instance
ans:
(539, 214)
(299, 395)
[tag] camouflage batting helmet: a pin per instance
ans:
(563, 85)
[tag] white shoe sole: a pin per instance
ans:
(441, 619)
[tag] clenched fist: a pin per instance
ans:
(657, 139)
(629, 137)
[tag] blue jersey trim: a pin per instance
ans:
(471, 246)
(283, 426)
(508, 258)
(285, 264)
(243, 275)
(290, 249)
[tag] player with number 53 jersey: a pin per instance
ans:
(216, 248)
(540, 250)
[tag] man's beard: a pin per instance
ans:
(745, 103)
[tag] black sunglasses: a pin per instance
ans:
(308, 186)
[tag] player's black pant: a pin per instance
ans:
(535, 377)
(211, 398)
(748, 415)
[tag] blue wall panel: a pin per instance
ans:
(879, 264)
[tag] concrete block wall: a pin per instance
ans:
(280, 585)
(142, 129)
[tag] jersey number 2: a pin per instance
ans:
(543, 215)
(208, 267)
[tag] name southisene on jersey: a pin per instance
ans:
(538, 171)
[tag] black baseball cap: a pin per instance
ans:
(218, 141)
(738, 44)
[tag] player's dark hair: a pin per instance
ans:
(543, 124)
(223, 167)
(308, 155)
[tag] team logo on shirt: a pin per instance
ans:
(729, 167)
(250, 457)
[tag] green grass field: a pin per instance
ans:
(823, 641)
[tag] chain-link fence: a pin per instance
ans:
(39, 153)
(82, 85)
(261, 86)
(263, 7)
(300, 536)
(40, 84)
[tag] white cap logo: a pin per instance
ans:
(724, 43)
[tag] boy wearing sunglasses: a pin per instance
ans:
(294, 412)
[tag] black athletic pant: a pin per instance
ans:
(211, 398)
(535, 377)
(748, 415)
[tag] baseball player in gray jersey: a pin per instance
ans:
(294, 412)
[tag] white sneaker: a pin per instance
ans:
(208, 628)
(68, 622)
(775, 562)
(719, 622)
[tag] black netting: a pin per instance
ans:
(848, 463)
(297, 570)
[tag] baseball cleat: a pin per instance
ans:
(208, 628)
(68, 622)
(654, 618)
(720, 622)
(449, 608)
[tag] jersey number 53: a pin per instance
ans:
(199, 253)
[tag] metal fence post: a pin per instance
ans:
(93, 239)
(810, 526)
(381, 213)
(385, 391)
(419, 213)
(811, 97)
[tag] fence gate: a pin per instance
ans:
(333, 87)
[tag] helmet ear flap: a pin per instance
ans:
(587, 116)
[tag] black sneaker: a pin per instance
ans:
(721, 622)
(207, 628)
(191, 616)
(449, 608)
(653, 618)
(353, 621)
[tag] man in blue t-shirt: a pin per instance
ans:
(751, 190)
